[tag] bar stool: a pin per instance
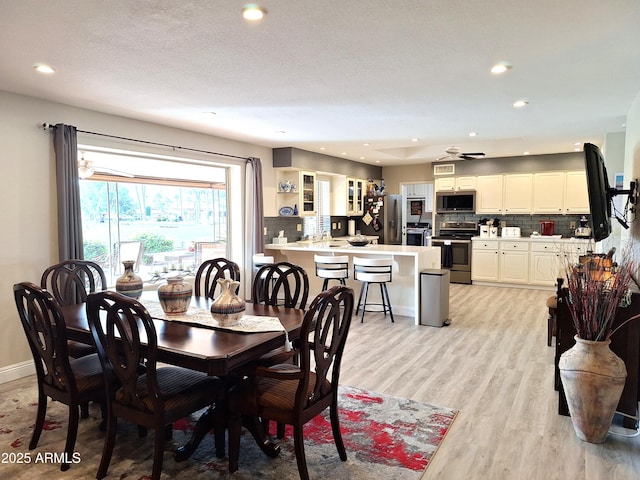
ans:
(332, 267)
(373, 270)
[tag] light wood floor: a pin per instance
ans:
(493, 364)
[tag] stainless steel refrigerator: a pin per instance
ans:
(382, 217)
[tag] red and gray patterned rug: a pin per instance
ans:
(385, 437)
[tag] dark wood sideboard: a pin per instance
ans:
(625, 343)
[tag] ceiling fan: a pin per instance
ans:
(454, 153)
(86, 168)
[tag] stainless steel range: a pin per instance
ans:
(454, 240)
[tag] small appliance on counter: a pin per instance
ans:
(511, 232)
(547, 227)
(583, 230)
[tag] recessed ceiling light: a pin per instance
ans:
(576, 144)
(343, 153)
(500, 68)
(363, 158)
(366, 144)
(43, 68)
(253, 12)
(377, 161)
(414, 139)
(525, 153)
(520, 103)
(321, 148)
(473, 134)
(577, 149)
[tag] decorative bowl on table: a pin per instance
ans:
(358, 241)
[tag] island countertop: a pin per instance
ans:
(408, 262)
(344, 247)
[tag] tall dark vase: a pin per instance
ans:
(129, 283)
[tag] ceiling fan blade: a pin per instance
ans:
(477, 154)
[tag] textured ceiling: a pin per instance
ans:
(338, 74)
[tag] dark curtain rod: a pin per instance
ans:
(49, 126)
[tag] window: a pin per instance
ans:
(167, 215)
(321, 222)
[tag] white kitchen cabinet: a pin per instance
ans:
(484, 260)
(489, 198)
(445, 184)
(354, 196)
(544, 263)
(297, 190)
(518, 196)
(465, 183)
(514, 262)
(572, 251)
(576, 197)
(416, 189)
(548, 192)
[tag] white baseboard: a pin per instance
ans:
(16, 371)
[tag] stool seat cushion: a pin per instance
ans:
(552, 302)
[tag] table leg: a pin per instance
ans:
(215, 418)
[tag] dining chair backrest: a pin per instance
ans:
(294, 395)
(281, 284)
(145, 394)
(71, 280)
(44, 326)
(210, 271)
(119, 325)
(322, 339)
(73, 382)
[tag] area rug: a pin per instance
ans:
(385, 437)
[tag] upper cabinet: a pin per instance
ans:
(548, 192)
(489, 198)
(517, 193)
(455, 183)
(560, 192)
(296, 190)
(355, 196)
(576, 195)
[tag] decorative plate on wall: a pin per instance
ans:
(286, 211)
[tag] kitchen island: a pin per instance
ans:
(408, 262)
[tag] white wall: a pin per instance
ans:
(631, 172)
(28, 195)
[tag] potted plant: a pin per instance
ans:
(592, 375)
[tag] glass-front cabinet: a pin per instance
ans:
(355, 196)
(296, 193)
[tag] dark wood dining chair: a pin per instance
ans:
(70, 282)
(210, 271)
(69, 381)
(294, 395)
(151, 398)
(281, 284)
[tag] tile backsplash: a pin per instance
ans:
(527, 223)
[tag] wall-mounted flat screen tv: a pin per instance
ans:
(599, 192)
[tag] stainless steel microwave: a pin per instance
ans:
(461, 201)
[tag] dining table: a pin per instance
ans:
(216, 351)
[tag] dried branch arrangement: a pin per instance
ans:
(597, 287)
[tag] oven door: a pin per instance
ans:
(415, 236)
(459, 257)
